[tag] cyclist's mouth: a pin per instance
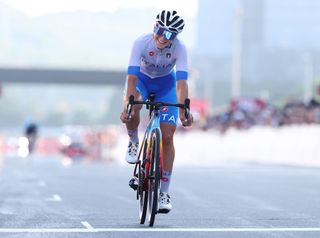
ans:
(161, 42)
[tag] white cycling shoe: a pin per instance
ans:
(164, 203)
(132, 153)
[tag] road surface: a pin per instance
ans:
(43, 197)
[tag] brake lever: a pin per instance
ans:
(186, 109)
(130, 105)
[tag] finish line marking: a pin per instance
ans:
(89, 229)
(87, 225)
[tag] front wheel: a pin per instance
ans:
(154, 176)
(142, 188)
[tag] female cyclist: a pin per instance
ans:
(158, 64)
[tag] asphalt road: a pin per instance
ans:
(39, 197)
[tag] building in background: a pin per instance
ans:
(278, 41)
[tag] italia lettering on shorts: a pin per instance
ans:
(164, 116)
(171, 118)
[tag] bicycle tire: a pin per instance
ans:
(154, 176)
(142, 191)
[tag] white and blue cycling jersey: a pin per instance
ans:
(153, 62)
(157, 71)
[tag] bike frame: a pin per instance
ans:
(150, 177)
(153, 124)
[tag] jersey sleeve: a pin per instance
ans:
(135, 57)
(182, 62)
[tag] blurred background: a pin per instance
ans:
(250, 162)
(254, 64)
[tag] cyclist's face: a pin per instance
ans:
(160, 41)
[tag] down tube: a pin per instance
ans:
(155, 124)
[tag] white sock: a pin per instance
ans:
(165, 181)
(133, 135)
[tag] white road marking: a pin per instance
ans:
(87, 225)
(86, 230)
(54, 198)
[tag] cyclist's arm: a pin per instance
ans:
(133, 69)
(130, 88)
(132, 78)
(182, 72)
(182, 83)
(182, 94)
(182, 90)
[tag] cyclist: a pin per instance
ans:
(158, 64)
(31, 133)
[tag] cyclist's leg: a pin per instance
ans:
(168, 154)
(165, 91)
(168, 121)
(169, 116)
(167, 130)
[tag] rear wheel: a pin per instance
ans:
(154, 176)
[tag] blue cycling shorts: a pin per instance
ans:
(165, 91)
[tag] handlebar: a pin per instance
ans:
(157, 105)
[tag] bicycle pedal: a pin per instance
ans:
(133, 185)
(163, 211)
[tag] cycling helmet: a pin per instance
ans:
(170, 20)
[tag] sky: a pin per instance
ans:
(36, 8)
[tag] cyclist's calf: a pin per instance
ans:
(167, 131)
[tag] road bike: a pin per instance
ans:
(148, 169)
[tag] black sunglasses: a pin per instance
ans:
(161, 31)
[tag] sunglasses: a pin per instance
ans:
(160, 31)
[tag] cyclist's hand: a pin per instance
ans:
(125, 117)
(186, 122)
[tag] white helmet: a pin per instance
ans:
(170, 20)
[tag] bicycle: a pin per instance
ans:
(148, 169)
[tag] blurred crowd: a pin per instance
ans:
(74, 143)
(99, 143)
(88, 142)
(247, 112)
